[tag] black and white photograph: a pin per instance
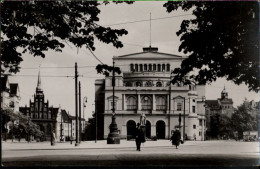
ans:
(129, 84)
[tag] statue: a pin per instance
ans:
(142, 119)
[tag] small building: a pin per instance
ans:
(63, 126)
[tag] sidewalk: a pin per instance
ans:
(102, 144)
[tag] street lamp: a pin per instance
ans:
(113, 136)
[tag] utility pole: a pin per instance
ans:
(113, 136)
(96, 120)
(184, 120)
(76, 104)
(79, 112)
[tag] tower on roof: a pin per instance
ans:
(224, 94)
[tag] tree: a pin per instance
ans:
(39, 26)
(222, 41)
(243, 121)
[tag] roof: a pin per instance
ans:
(226, 101)
(65, 116)
(148, 55)
(14, 89)
(213, 104)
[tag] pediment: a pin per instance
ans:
(149, 55)
(111, 97)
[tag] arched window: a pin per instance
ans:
(168, 67)
(141, 67)
(150, 67)
(159, 84)
(131, 127)
(131, 103)
(163, 67)
(136, 67)
(146, 103)
(131, 67)
(138, 84)
(145, 67)
(128, 84)
(158, 67)
(161, 103)
(154, 67)
(149, 84)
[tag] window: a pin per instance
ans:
(179, 105)
(146, 103)
(131, 67)
(154, 67)
(150, 67)
(159, 68)
(194, 126)
(131, 103)
(193, 109)
(136, 67)
(161, 103)
(145, 67)
(128, 84)
(141, 67)
(200, 133)
(138, 84)
(163, 67)
(159, 84)
(168, 67)
(193, 100)
(200, 122)
(149, 84)
(114, 105)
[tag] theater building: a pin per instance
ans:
(144, 87)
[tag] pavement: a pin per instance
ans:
(153, 153)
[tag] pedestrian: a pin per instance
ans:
(176, 138)
(194, 136)
(138, 137)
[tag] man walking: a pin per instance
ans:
(138, 135)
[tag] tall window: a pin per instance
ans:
(163, 67)
(145, 67)
(161, 103)
(154, 67)
(150, 67)
(114, 105)
(141, 67)
(136, 67)
(146, 103)
(179, 105)
(193, 109)
(159, 68)
(131, 103)
(168, 67)
(131, 67)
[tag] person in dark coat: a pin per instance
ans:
(138, 137)
(176, 138)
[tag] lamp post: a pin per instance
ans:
(113, 136)
(85, 100)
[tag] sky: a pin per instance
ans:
(60, 91)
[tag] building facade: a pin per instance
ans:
(144, 87)
(222, 107)
(41, 113)
(63, 126)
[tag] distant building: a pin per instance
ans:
(222, 106)
(144, 87)
(64, 127)
(41, 113)
(83, 126)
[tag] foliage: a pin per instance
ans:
(25, 123)
(243, 120)
(221, 41)
(39, 26)
(105, 69)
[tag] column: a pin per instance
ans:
(139, 102)
(123, 102)
(154, 103)
(153, 130)
(168, 102)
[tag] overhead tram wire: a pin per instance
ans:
(145, 20)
